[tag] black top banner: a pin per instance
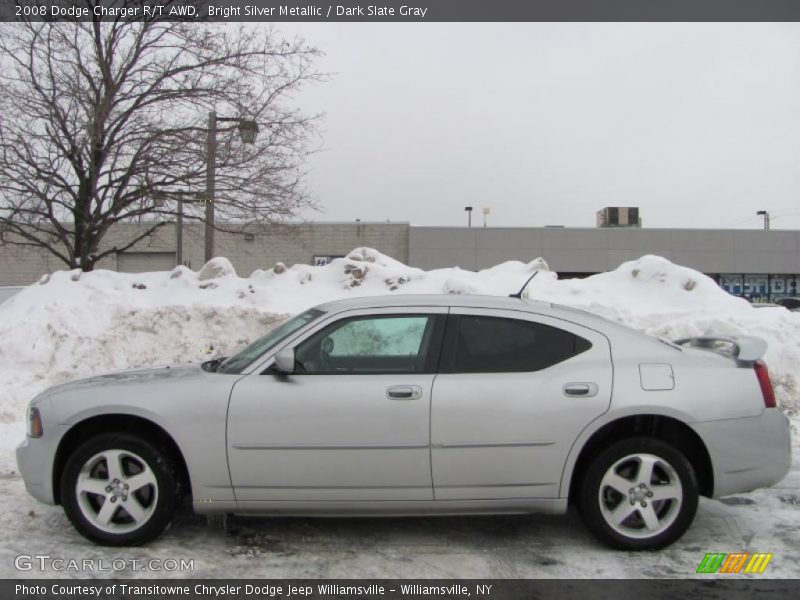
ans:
(404, 11)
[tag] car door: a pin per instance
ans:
(351, 423)
(514, 391)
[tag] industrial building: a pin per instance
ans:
(761, 265)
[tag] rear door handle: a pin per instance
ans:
(404, 392)
(580, 389)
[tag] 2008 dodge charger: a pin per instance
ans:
(418, 405)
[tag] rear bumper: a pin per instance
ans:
(748, 453)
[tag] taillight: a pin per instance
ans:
(762, 373)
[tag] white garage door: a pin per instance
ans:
(140, 262)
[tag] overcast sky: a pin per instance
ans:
(697, 124)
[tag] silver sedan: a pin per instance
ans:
(418, 405)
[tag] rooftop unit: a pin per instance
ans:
(619, 216)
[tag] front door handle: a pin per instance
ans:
(404, 392)
(582, 389)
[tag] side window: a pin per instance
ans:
(499, 345)
(371, 345)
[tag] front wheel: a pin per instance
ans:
(119, 490)
(639, 494)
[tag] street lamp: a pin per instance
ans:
(247, 132)
(468, 210)
(765, 214)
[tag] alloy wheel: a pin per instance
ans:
(117, 491)
(640, 495)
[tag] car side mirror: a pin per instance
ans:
(284, 361)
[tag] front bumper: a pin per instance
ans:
(748, 453)
(35, 464)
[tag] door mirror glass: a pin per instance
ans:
(284, 361)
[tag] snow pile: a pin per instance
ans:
(216, 268)
(73, 324)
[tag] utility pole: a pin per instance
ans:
(765, 214)
(179, 232)
(211, 167)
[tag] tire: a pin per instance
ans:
(626, 509)
(97, 501)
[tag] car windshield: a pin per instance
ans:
(239, 362)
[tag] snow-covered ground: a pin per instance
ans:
(73, 324)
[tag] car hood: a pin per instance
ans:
(131, 376)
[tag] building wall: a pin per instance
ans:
(739, 253)
(290, 244)
(577, 250)
(296, 243)
(21, 265)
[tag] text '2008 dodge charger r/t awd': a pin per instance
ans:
(418, 405)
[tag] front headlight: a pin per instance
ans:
(35, 429)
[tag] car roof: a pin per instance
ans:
(401, 300)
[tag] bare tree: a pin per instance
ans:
(104, 120)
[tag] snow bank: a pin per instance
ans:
(72, 324)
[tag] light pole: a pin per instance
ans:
(179, 233)
(765, 214)
(468, 210)
(247, 133)
(486, 211)
(160, 196)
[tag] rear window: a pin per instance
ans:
(500, 345)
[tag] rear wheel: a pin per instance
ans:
(119, 490)
(639, 494)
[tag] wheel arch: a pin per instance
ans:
(122, 423)
(666, 428)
